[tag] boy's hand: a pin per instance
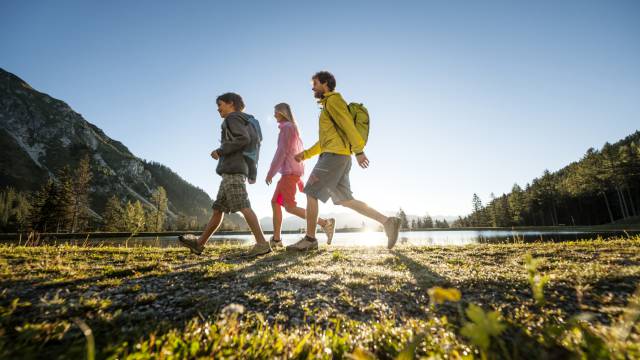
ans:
(252, 181)
(299, 157)
(268, 180)
(215, 155)
(363, 161)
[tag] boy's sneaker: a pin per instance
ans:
(329, 228)
(306, 243)
(257, 250)
(392, 228)
(275, 243)
(191, 241)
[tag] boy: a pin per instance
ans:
(234, 167)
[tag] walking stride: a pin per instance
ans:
(291, 171)
(339, 137)
(237, 161)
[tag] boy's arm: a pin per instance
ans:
(339, 112)
(253, 170)
(240, 138)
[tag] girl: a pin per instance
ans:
(289, 144)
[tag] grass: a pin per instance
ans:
(510, 301)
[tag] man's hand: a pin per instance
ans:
(268, 180)
(215, 155)
(299, 157)
(363, 161)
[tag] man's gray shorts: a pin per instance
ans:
(330, 178)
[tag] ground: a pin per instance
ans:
(572, 299)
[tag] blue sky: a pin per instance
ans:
(464, 96)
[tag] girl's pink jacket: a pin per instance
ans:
(289, 144)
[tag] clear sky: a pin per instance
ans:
(464, 97)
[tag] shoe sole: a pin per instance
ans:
(300, 250)
(247, 256)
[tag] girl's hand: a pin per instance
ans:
(299, 157)
(268, 180)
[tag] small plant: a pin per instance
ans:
(537, 281)
(482, 327)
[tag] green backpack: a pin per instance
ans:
(360, 117)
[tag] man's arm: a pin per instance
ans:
(240, 136)
(339, 112)
(312, 151)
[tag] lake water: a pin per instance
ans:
(412, 238)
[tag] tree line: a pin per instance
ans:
(602, 187)
(62, 205)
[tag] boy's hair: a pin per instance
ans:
(232, 98)
(325, 77)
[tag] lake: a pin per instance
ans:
(411, 238)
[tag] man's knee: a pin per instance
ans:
(290, 208)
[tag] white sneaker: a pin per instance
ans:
(329, 228)
(275, 243)
(304, 244)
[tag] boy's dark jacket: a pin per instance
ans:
(234, 139)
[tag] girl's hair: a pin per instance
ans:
(285, 110)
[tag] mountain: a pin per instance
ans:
(40, 134)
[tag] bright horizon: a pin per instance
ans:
(463, 99)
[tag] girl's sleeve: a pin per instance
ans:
(281, 153)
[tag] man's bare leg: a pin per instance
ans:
(302, 213)
(277, 220)
(312, 216)
(252, 220)
(212, 226)
(365, 210)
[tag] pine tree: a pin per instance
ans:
(114, 215)
(42, 217)
(159, 214)
(80, 198)
(404, 223)
(138, 218)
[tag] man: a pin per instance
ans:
(330, 177)
(234, 166)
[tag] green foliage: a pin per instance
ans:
(14, 210)
(603, 187)
(537, 281)
(483, 326)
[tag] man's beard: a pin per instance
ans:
(318, 94)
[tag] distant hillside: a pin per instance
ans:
(40, 134)
(601, 188)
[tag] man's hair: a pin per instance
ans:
(325, 77)
(232, 98)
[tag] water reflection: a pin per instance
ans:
(410, 238)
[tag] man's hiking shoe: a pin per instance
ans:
(191, 241)
(257, 250)
(392, 228)
(329, 228)
(275, 243)
(305, 244)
